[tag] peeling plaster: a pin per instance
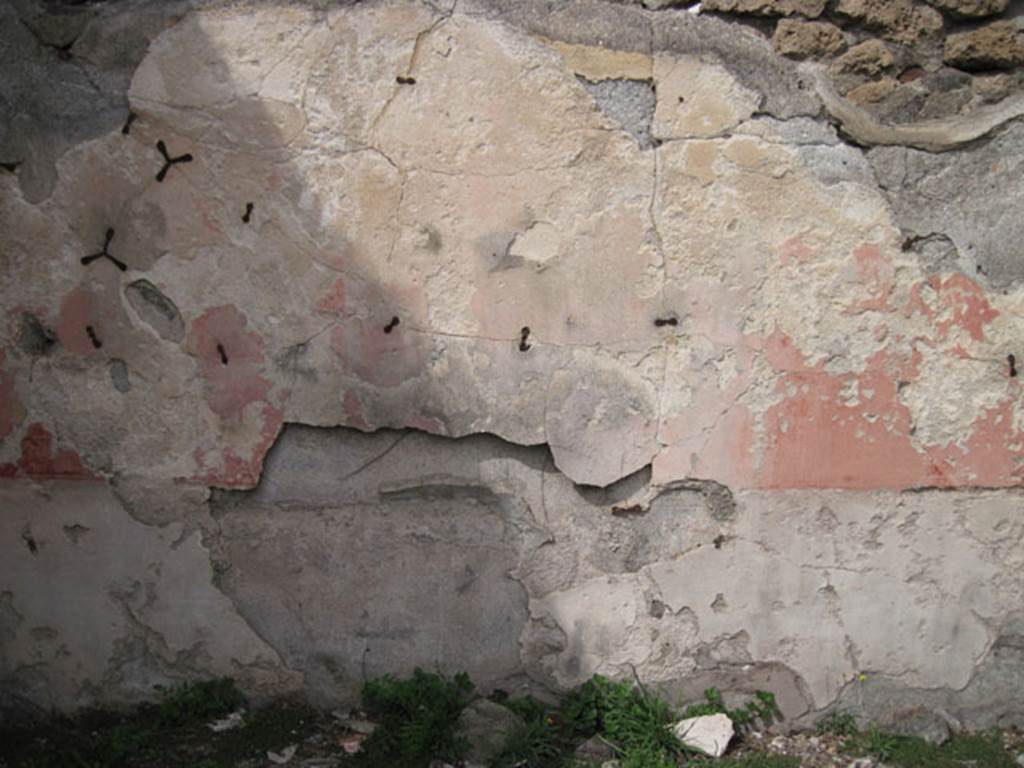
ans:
(665, 351)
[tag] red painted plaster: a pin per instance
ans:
(230, 469)
(79, 310)
(376, 357)
(876, 275)
(813, 439)
(10, 408)
(353, 408)
(986, 458)
(795, 250)
(333, 301)
(427, 424)
(39, 460)
(956, 302)
(231, 385)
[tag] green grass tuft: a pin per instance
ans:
(838, 723)
(757, 761)
(647, 757)
(627, 717)
(417, 717)
(982, 750)
(198, 702)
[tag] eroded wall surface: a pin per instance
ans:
(531, 339)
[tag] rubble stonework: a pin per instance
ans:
(532, 340)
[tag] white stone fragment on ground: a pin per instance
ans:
(284, 756)
(229, 723)
(709, 734)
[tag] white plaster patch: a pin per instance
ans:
(697, 99)
(950, 395)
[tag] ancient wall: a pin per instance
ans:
(535, 339)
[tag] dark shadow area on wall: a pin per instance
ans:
(439, 557)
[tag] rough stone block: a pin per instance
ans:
(807, 39)
(997, 46)
(808, 8)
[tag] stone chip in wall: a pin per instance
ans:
(971, 9)
(869, 58)
(809, 8)
(900, 20)
(807, 39)
(999, 45)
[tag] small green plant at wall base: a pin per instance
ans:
(983, 750)
(627, 717)
(538, 742)
(417, 718)
(198, 701)
(838, 723)
(760, 711)
(527, 707)
(534, 744)
(647, 757)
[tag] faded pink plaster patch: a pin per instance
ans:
(333, 301)
(366, 349)
(821, 437)
(723, 453)
(959, 303)
(711, 436)
(985, 458)
(92, 318)
(231, 360)
(838, 431)
(815, 439)
(796, 250)
(39, 461)
(207, 218)
(79, 311)
(427, 424)
(876, 273)
(782, 353)
(376, 357)
(353, 408)
(232, 470)
(10, 408)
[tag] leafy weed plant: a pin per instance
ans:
(838, 723)
(627, 717)
(762, 709)
(538, 742)
(417, 719)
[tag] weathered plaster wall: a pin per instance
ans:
(532, 339)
